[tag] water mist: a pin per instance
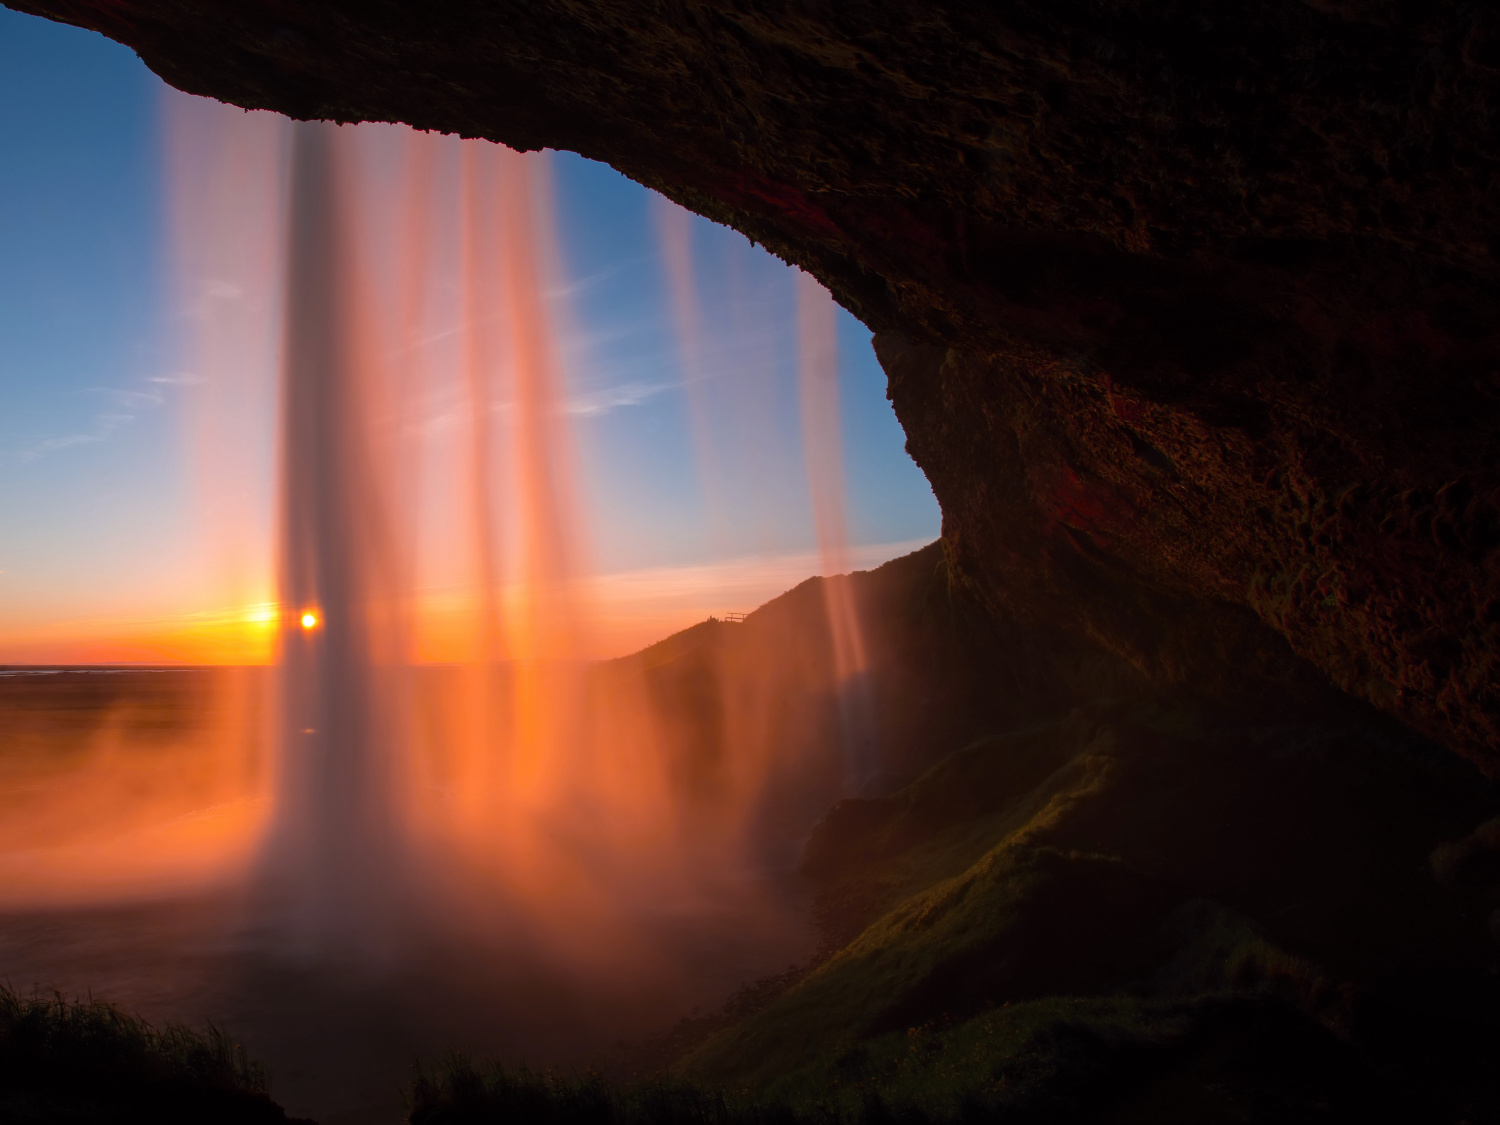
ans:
(436, 783)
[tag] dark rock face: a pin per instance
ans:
(1190, 311)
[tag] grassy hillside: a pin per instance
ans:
(1144, 873)
(940, 675)
(1072, 897)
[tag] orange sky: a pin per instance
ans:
(626, 612)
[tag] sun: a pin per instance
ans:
(309, 620)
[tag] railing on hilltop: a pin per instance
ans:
(735, 618)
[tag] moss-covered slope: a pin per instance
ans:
(1168, 879)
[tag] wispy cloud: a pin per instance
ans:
(122, 407)
(131, 401)
(591, 403)
(606, 399)
(573, 286)
(53, 444)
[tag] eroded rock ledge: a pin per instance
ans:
(1190, 311)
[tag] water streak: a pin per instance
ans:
(823, 451)
(336, 844)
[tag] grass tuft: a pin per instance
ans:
(462, 1093)
(84, 1060)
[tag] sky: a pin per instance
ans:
(101, 547)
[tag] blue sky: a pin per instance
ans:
(95, 511)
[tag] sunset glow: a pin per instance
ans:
(467, 452)
(684, 406)
(632, 609)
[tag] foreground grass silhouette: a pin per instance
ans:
(64, 1061)
(1230, 1057)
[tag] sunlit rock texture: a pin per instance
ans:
(1189, 310)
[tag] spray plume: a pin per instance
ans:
(515, 789)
